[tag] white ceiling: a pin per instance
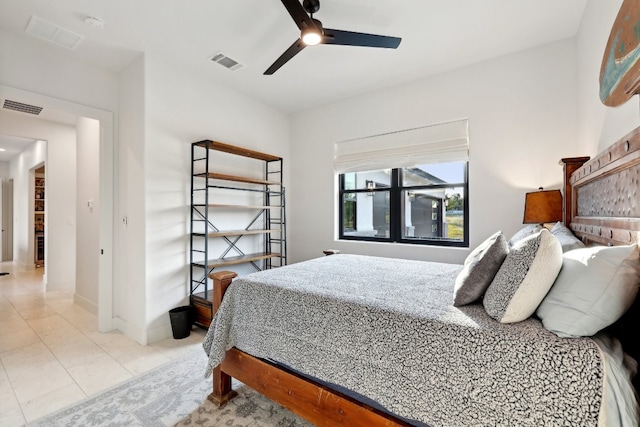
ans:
(437, 35)
(12, 146)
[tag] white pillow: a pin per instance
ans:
(567, 239)
(480, 267)
(524, 278)
(596, 286)
(526, 231)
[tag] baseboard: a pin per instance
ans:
(160, 333)
(130, 330)
(26, 267)
(83, 302)
(68, 286)
(149, 336)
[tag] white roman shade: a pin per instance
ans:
(438, 143)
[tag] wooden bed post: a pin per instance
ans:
(222, 391)
(570, 165)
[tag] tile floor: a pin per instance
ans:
(52, 355)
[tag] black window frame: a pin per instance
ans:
(395, 210)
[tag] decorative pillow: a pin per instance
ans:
(480, 267)
(596, 286)
(524, 278)
(567, 239)
(525, 232)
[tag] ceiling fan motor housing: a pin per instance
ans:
(311, 6)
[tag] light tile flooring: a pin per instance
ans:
(52, 355)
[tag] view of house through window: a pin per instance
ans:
(421, 204)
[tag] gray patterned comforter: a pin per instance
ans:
(386, 329)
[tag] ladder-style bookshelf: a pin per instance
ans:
(227, 207)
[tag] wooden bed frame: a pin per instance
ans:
(602, 195)
(312, 401)
(601, 205)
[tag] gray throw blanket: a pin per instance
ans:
(386, 329)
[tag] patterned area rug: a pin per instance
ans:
(173, 394)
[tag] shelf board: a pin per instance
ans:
(258, 207)
(232, 149)
(221, 262)
(236, 178)
(237, 232)
(39, 212)
(200, 296)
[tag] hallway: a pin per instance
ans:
(52, 355)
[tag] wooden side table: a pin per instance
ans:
(331, 251)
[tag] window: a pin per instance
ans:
(425, 204)
(409, 186)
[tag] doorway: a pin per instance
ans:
(104, 273)
(7, 220)
(39, 216)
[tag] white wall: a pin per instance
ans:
(87, 217)
(522, 118)
(599, 125)
(4, 170)
(129, 290)
(60, 207)
(182, 108)
(39, 67)
(60, 155)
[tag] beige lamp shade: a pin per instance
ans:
(543, 206)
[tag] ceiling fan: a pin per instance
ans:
(312, 33)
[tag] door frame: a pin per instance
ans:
(107, 227)
(7, 220)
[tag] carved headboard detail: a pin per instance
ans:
(602, 195)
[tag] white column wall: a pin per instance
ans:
(522, 119)
(129, 292)
(87, 213)
(60, 209)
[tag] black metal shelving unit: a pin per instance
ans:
(268, 223)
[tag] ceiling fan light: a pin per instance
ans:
(311, 36)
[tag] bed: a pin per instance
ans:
(354, 340)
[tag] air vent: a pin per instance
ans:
(225, 61)
(23, 108)
(53, 33)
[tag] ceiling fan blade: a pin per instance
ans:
(299, 15)
(350, 38)
(293, 50)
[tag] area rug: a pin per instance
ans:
(173, 394)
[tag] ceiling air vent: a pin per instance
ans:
(225, 61)
(53, 33)
(23, 108)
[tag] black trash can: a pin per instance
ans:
(180, 321)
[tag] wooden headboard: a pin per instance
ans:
(602, 206)
(602, 195)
